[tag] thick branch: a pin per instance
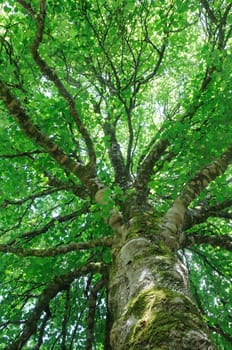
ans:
(197, 216)
(131, 134)
(58, 284)
(34, 133)
(174, 219)
(52, 75)
(209, 11)
(78, 190)
(116, 157)
(63, 249)
(207, 174)
(223, 241)
(145, 168)
(27, 7)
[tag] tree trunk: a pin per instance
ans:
(148, 292)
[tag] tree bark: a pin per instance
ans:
(149, 296)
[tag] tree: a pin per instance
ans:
(116, 185)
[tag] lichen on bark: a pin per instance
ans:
(149, 295)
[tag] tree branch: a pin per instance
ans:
(28, 154)
(84, 173)
(52, 75)
(78, 190)
(197, 216)
(151, 75)
(63, 249)
(145, 168)
(121, 172)
(42, 329)
(207, 174)
(46, 192)
(209, 11)
(91, 314)
(65, 318)
(218, 329)
(221, 36)
(58, 284)
(209, 263)
(31, 234)
(173, 220)
(27, 7)
(223, 241)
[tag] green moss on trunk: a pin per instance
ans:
(165, 320)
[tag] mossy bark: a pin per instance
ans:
(148, 293)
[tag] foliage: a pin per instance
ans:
(106, 82)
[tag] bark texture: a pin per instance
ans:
(149, 299)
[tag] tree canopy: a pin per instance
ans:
(105, 103)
